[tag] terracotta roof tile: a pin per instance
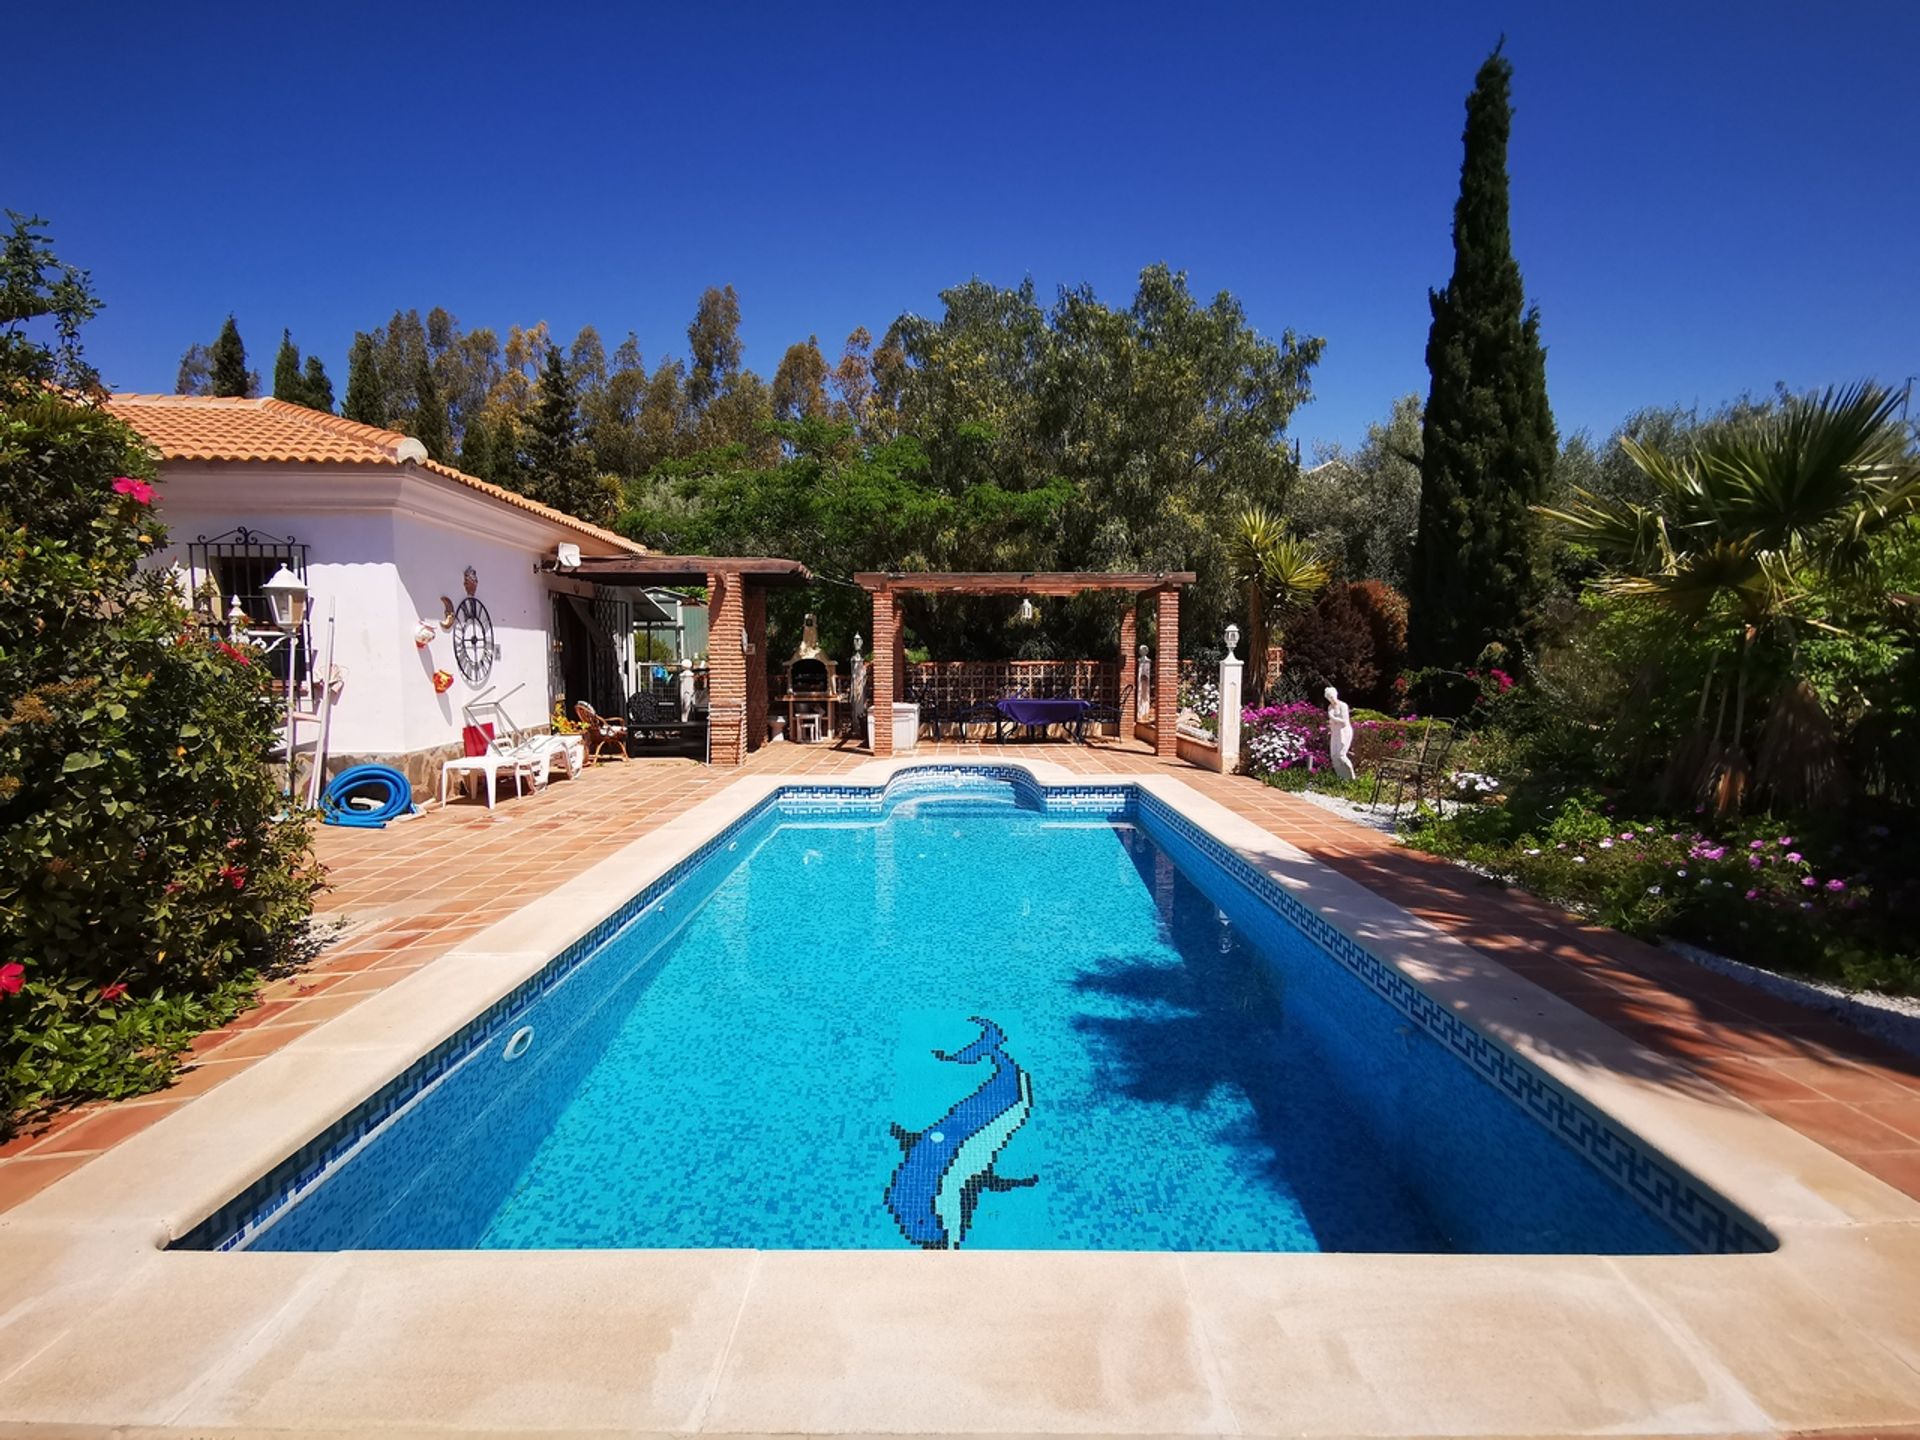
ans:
(277, 432)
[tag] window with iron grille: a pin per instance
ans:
(225, 577)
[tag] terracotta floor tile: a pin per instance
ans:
(263, 1040)
(23, 1178)
(107, 1127)
(1843, 1079)
(1901, 1115)
(206, 1074)
(1839, 1125)
(1899, 1168)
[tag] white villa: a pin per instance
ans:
(434, 590)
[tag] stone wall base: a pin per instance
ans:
(421, 767)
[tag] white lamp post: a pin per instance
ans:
(286, 595)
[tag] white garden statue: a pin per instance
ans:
(686, 691)
(1339, 733)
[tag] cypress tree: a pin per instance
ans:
(229, 373)
(557, 467)
(503, 449)
(476, 449)
(430, 412)
(1488, 436)
(366, 400)
(318, 387)
(287, 381)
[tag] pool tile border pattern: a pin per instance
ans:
(1703, 1218)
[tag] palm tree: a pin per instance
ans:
(1281, 576)
(1748, 526)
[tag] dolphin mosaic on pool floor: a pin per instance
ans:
(945, 1167)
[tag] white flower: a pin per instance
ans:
(1533, 852)
(1681, 873)
(1579, 859)
(1653, 889)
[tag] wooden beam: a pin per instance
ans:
(687, 569)
(1020, 582)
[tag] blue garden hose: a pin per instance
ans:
(384, 785)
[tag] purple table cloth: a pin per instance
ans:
(1044, 712)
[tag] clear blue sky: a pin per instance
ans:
(1706, 198)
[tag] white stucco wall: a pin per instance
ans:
(383, 546)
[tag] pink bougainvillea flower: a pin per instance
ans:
(1808, 881)
(140, 490)
(234, 875)
(115, 991)
(1836, 886)
(1784, 841)
(1626, 834)
(1794, 857)
(1756, 845)
(1753, 894)
(12, 977)
(1607, 844)
(1753, 862)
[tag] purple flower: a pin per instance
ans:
(1836, 886)
(1793, 857)
(1756, 845)
(1753, 862)
(1753, 894)
(1784, 841)
(1808, 881)
(1626, 834)
(1607, 844)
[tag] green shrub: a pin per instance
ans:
(148, 865)
(1759, 891)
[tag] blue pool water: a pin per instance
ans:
(964, 1020)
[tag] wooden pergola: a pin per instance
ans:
(889, 646)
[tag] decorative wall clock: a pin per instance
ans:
(473, 640)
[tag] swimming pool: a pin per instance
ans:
(965, 1011)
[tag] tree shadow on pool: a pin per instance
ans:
(1209, 1037)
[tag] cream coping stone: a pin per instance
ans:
(100, 1327)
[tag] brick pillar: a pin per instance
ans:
(1166, 673)
(756, 626)
(886, 636)
(1129, 666)
(726, 669)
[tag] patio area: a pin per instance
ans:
(400, 898)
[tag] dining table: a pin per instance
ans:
(1032, 712)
